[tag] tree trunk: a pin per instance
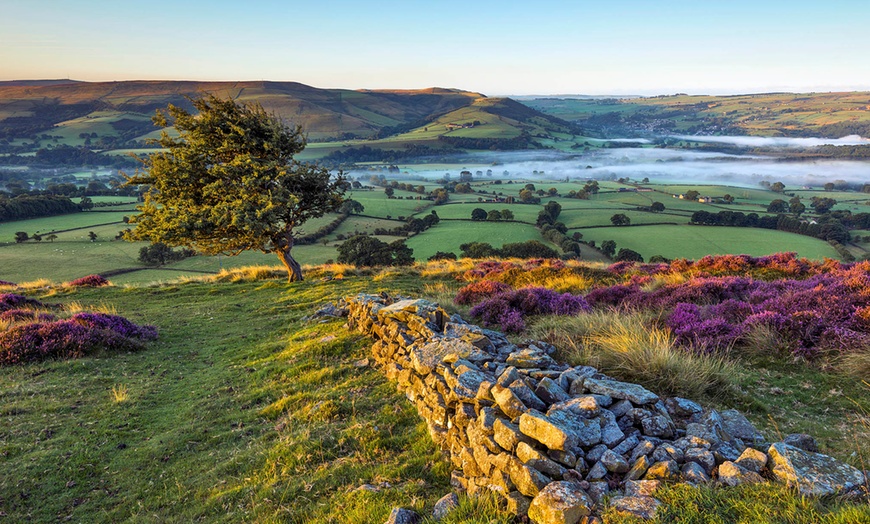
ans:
(294, 270)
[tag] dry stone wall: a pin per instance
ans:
(556, 440)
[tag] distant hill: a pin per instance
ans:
(829, 115)
(69, 112)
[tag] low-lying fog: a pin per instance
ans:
(763, 141)
(663, 165)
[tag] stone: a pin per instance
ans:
(595, 454)
(725, 451)
(621, 408)
(663, 470)
(560, 503)
(445, 505)
(752, 459)
(638, 468)
(694, 473)
(425, 358)
(553, 433)
(681, 407)
(588, 431)
(597, 491)
(528, 481)
(624, 447)
(614, 462)
(597, 472)
(507, 435)
(508, 376)
(517, 503)
(667, 451)
(641, 488)
(535, 459)
(530, 358)
(738, 426)
(634, 393)
(549, 391)
(641, 507)
(611, 434)
(812, 473)
(509, 403)
(585, 406)
(403, 516)
(731, 474)
(645, 447)
(657, 426)
(567, 458)
(458, 481)
(802, 441)
(702, 457)
(527, 396)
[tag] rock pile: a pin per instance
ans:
(554, 440)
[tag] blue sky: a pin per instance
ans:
(494, 47)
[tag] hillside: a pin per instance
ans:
(247, 410)
(829, 115)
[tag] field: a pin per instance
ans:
(666, 233)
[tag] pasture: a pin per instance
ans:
(697, 241)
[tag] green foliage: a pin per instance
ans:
(628, 255)
(478, 214)
(160, 254)
(366, 251)
(608, 247)
(441, 255)
(351, 206)
(657, 207)
(620, 219)
(21, 236)
(229, 183)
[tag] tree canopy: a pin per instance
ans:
(229, 183)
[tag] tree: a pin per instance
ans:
(388, 191)
(478, 214)
(608, 247)
(507, 214)
(477, 250)
(628, 255)
(51, 238)
(351, 207)
(494, 215)
(692, 194)
(528, 249)
(728, 199)
(656, 207)
(442, 255)
(92, 236)
(620, 220)
(554, 209)
(822, 204)
(797, 208)
(229, 183)
(21, 236)
(777, 187)
(86, 203)
(366, 251)
(159, 254)
(777, 206)
(37, 237)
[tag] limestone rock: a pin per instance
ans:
(403, 516)
(681, 407)
(559, 503)
(641, 507)
(509, 403)
(736, 425)
(752, 459)
(507, 435)
(664, 470)
(597, 491)
(425, 358)
(639, 468)
(527, 396)
(550, 392)
(635, 393)
(614, 462)
(530, 358)
(731, 474)
(803, 441)
(535, 459)
(694, 473)
(445, 505)
(641, 488)
(702, 457)
(812, 473)
(517, 503)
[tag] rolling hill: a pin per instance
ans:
(114, 114)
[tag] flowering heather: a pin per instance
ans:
(116, 323)
(508, 309)
(89, 281)
(18, 315)
(7, 283)
(477, 291)
(12, 301)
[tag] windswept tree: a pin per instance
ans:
(229, 183)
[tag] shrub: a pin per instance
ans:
(9, 301)
(480, 290)
(89, 281)
(18, 315)
(509, 308)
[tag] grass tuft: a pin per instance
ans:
(120, 394)
(627, 345)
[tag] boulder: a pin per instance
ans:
(641, 488)
(641, 507)
(560, 503)
(445, 505)
(530, 358)
(732, 475)
(636, 394)
(738, 426)
(812, 473)
(694, 473)
(403, 516)
(509, 403)
(614, 462)
(803, 441)
(752, 459)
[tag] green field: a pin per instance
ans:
(448, 236)
(694, 242)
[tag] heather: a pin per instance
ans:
(89, 281)
(508, 309)
(32, 335)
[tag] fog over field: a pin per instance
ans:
(764, 141)
(669, 165)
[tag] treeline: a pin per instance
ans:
(35, 206)
(828, 228)
(43, 117)
(64, 155)
(524, 141)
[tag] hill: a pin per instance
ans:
(247, 410)
(121, 111)
(829, 115)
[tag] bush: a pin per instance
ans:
(442, 255)
(509, 308)
(10, 301)
(366, 251)
(88, 281)
(160, 254)
(480, 290)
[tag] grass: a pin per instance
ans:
(697, 241)
(448, 236)
(244, 412)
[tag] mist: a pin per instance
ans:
(659, 165)
(776, 142)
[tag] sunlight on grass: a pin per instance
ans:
(120, 394)
(627, 346)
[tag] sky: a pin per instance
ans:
(504, 47)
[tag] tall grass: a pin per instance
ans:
(629, 346)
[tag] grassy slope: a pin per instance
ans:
(243, 412)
